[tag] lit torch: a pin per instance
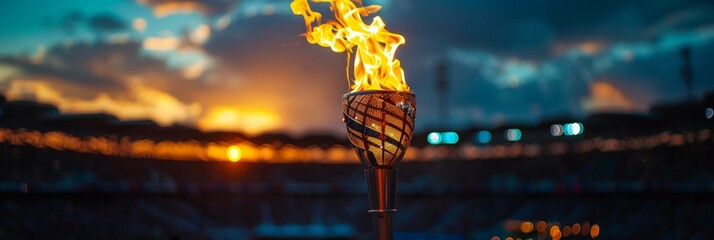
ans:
(379, 110)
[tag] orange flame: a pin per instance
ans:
(375, 67)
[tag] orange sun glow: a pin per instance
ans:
(231, 119)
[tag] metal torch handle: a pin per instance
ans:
(383, 225)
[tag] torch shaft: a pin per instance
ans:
(381, 186)
(383, 225)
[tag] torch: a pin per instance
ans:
(379, 126)
(380, 109)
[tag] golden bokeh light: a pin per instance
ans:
(555, 232)
(540, 226)
(526, 227)
(576, 229)
(595, 231)
(566, 231)
(585, 229)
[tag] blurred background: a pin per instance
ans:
(214, 119)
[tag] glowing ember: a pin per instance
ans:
(375, 67)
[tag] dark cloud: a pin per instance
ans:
(658, 78)
(529, 29)
(505, 36)
(90, 68)
(101, 23)
(106, 22)
(510, 36)
(76, 77)
(113, 78)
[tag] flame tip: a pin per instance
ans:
(375, 66)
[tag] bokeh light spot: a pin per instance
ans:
(594, 231)
(513, 134)
(556, 130)
(483, 137)
(576, 229)
(434, 138)
(450, 137)
(526, 227)
(540, 226)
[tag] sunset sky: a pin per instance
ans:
(242, 66)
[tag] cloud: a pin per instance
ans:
(604, 97)
(223, 22)
(189, 42)
(506, 63)
(588, 59)
(530, 30)
(104, 77)
(32, 69)
(224, 118)
(139, 102)
(162, 8)
(516, 64)
(200, 34)
(161, 43)
(121, 80)
(273, 68)
(184, 52)
(139, 24)
(540, 58)
(106, 23)
(503, 72)
(193, 71)
(73, 21)
(689, 18)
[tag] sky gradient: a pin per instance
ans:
(242, 66)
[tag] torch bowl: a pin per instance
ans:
(379, 124)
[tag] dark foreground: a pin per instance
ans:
(661, 193)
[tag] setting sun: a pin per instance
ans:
(232, 119)
(234, 154)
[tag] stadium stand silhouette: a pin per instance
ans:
(663, 191)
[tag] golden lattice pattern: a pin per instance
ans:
(379, 125)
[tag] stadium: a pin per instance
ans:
(459, 120)
(648, 178)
